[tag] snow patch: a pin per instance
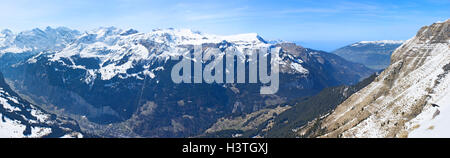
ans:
(11, 128)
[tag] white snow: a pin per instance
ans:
(383, 42)
(73, 135)
(11, 128)
(31, 41)
(380, 43)
(37, 132)
(430, 125)
(299, 68)
(15, 49)
(41, 117)
(117, 53)
(409, 89)
(187, 36)
(14, 127)
(415, 77)
(111, 48)
(8, 106)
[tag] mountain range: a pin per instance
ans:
(110, 82)
(116, 83)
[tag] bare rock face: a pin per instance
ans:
(399, 101)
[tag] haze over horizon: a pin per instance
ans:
(322, 24)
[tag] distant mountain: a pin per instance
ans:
(18, 47)
(36, 40)
(410, 98)
(20, 119)
(117, 82)
(373, 54)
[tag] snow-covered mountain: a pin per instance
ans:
(381, 42)
(410, 98)
(16, 47)
(36, 40)
(22, 119)
(110, 78)
(114, 51)
(108, 46)
(373, 54)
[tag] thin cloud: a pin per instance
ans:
(309, 10)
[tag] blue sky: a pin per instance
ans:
(319, 24)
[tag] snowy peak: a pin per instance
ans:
(187, 36)
(55, 39)
(172, 37)
(105, 31)
(249, 37)
(129, 32)
(6, 38)
(6, 33)
(36, 40)
(115, 51)
(381, 42)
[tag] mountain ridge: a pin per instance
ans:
(373, 54)
(401, 102)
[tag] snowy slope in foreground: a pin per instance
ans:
(20, 119)
(434, 121)
(410, 98)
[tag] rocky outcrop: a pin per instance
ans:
(393, 105)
